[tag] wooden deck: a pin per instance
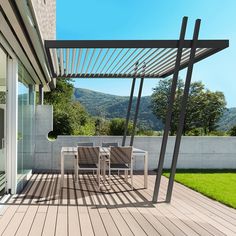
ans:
(41, 209)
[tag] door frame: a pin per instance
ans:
(11, 118)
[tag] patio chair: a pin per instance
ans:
(109, 144)
(84, 144)
(89, 159)
(121, 158)
(115, 144)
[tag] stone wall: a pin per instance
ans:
(195, 152)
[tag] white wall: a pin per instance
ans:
(195, 152)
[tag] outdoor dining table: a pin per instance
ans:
(104, 153)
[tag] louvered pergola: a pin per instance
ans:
(134, 59)
(123, 58)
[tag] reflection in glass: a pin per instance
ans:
(26, 118)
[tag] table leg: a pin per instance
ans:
(104, 168)
(146, 170)
(76, 169)
(126, 176)
(62, 169)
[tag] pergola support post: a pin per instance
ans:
(136, 111)
(183, 111)
(169, 110)
(129, 106)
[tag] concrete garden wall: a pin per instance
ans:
(195, 152)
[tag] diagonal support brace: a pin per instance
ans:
(129, 106)
(169, 110)
(137, 107)
(183, 111)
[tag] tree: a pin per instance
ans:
(232, 131)
(213, 108)
(101, 126)
(204, 107)
(117, 127)
(69, 117)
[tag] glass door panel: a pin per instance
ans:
(26, 116)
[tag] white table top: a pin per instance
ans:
(103, 149)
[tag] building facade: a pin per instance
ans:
(23, 71)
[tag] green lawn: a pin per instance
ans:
(216, 184)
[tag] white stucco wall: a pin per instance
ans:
(195, 152)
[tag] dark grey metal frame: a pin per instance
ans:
(212, 46)
(136, 111)
(129, 106)
(169, 110)
(183, 111)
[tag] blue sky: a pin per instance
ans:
(154, 19)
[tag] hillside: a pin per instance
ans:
(228, 120)
(111, 106)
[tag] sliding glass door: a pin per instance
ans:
(26, 126)
(3, 107)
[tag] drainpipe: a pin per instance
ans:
(41, 94)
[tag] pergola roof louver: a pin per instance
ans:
(117, 58)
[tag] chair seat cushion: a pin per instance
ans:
(119, 166)
(88, 166)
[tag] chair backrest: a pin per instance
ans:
(85, 144)
(110, 144)
(121, 155)
(88, 155)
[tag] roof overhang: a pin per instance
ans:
(123, 58)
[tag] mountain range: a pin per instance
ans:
(112, 106)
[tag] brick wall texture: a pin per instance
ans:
(45, 11)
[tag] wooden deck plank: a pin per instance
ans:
(129, 215)
(73, 221)
(50, 221)
(179, 206)
(198, 213)
(164, 220)
(221, 223)
(115, 198)
(85, 222)
(81, 209)
(148, 194)
(142, 221)
(26, 223)
(38, 223)
(203, 204)
(104, 224)
(57, 190)
(62, 221)
(40, 216)
(28, 194)
(160, 228)
(227, 211)
(72, 197)
(6, 218)
(114, 213)
(14, 224)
